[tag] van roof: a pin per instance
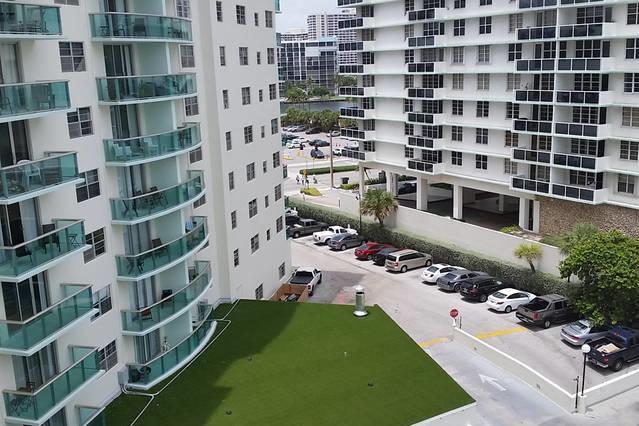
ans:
(402, 252)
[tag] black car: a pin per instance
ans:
(313, 131)
(344, 241)
(380, 258)
(318, 143)
(317, 153)
(480, 287)
(407, 188)
(292, 219)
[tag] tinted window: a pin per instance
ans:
(538, 304)
(559, 305)
(418, 255)
(434, 269)
(450, 276)
(391, 257)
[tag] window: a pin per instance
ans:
(631, 82)
(243, 55)
(199, 202)
(183, 8)
(266, 202)
(270, 55)
(485, 2)
(630, 117)
(458, 81)
(72, 56)
(409, 81)
(459, 4)
(90, 188)
(513, 82)
(515, 21)
(229, 141)
(108, 356)
(256, 19)
(96, 240)
(626, 184)
(511, 139)
(195, 155)
(187, 57)
(632, 48)
(259, 292)
(278, 192)
(264, 166)
(250, 172)
(409, 56)
(481, 162)
(514, 52)
(258, 57)
(272, 92)
(236, 257)
(458, 107)
(255, 243)
(483, 54)
(275, 126)
(68, 2)
(458, 55)
(222, 56)
(512, 110)
(102, 301)
(79, 122)
(581, 178)
(260, 95)
(481, 136)
(231, 181)
(629, 150)
(542, 173)
(246, 95)
(248, 134)
(262, 131)
(483, 81)
(191, 106)
(485, 25)
(279, 224)
(543, 143)
(633, 14)
(225, 99)
(510, 167)
(456, 158)
(268, 19)
(276, 159)
(234, 219)
(409, 152)
(408, 105)
(482, 109)
(459, 27)
(252, 207)
(240, 14)
(281, 270)
(218, 10)
(457, 133)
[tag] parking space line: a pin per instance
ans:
(502, 332)
(432, 342)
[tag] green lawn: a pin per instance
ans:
(302, 364)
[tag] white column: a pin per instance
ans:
(501, 203)
(458, 202)
(523, 213)
(362, 179)
(422, 194)
(391, 183)
(536, 207)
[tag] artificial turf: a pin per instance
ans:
(302, 364)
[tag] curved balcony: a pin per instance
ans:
(24, 338)
(145, 88)
(22, 101)
(145, 376)
(29, 21)
(29, 179)
(145, 149)
(143, 265)
(145, 320)
(157, 202)
(37, 405)
(24, 260)
(141, 28)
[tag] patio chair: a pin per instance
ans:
(158, 196)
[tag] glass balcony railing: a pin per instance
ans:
(148, 148)
(132, 89)
(65, 236)
(156, 200)
(33, 405)
(32, 177)
(531, 185)
(150, 316)
(91, 416)
(24, 99)
(137, 26)
(23, 335)
(137, 265)
(29, 20)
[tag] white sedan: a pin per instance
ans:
(435, 271)
(508, 299)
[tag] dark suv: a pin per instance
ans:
(380, 258)
(480, 287)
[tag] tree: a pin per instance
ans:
(295, 95)
(319, 91)
(607, 264)
(378, 203)
(530, 253)
(345, 81)
(580, 232)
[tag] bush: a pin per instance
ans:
(523, 278)
(312, 191)
(349, 186)
(512, 229)
(326, 170)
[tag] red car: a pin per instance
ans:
(367, 250)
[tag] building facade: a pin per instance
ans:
(140, 182)
(308, 60)
(296, 34)
(328, 25)
(526, 110)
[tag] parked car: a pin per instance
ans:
(433, 272)
(313, 131)
(309, 277)
(583, 331)
(318, 143)
(317, 153)
(546, 310)
(480, 287)
(451, 281)
(380, 258)
(407, 188)
(291, 211)
(404, 260)
(288, 136)
(508, 299)
(291, 219)
(334, 133)
(369, 250)
(337, 151)
(620, 345)
(305, 227)
(295, 144)
(344, 241)
(325, 236)
(298, 128)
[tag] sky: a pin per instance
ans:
(294, 12)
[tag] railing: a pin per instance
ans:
(147, 87)
(421, 142)
(35, 404)
(352, 134)
(348, 2)
(527, 4)
(421, 93)
(421, 118)
(535, 65)
(534, 126)
(422, 166)
(421, 67)
(581, 30)
(520, 182)
(422, 41)
(351, 69)
(150, 316)
(579, 64)
(136, 265)
(577, 129)
(573, 160)
(352, 112)
(564, 2)
(91, 416)
(533, 95)
(67, 237)
(33, 98)
(531, 155)
(350, 23)
(356, 155)
(420, 15)
(351, 91)
(137, 26)
(536, 33)
(576, 97)
(32, 176)
(29, 19)
(351, 46)
(575, 192)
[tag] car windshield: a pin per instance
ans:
(580, 325)
(432, 269)
(538, 304)
(499, 295)
(450, 276)
(391, 257)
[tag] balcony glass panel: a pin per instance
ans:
(133, 266)
(147, 87)
(21, 99)
(29, 19)
(131, 25)
(66, 237)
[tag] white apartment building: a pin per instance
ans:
(294, 34)
(322, 25)
(512, 111)
(139, 187)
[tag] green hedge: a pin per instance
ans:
(325, 170)
(523, 278)
(349, 186)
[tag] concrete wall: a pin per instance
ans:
(611, 388)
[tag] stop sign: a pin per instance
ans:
(454, 313)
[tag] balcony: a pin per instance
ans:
(341, 3)
(146, 88)
(529, 185)
(422, 41)
(531, 156)
(142, 28)
(29, 179)
(426, 143)
(145, 149)
(23, 101)
(582, 130)
(351, 69)
(537, 33)
(355, 134)
(582, 162)
(534, 96)
(145, 376)
(529, 4)
(355, 46)
(354, 154)
(532, 126)
(36, 406)
(589, 194)
(421, 67)
(163, 256)
(583, 98)
(24, 260)
(581, 64)
(157, 202)
(142, 321)
(424, 93)
(424, 118)
(357, 113)
(426, 167)
(535, 65)
(29, 21)
(349, 24)
(581, 30)
(352, 92)
(24, 338)
(421, 15)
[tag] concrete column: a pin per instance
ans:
(458, 202)
(500, 203)
(536, 211)
(362, 179)
(422, 194)
(523, 213)
(391, 183)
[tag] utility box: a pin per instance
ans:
(345, 180)
(360, 299)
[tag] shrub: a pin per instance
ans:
(325, 170)
(312, 191)
(349, 186)
(530, 253)
(512, 229)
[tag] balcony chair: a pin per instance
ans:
(31, 171)
(157, 243)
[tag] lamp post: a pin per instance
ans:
(330, 138)
(359, 209)
(585, 349)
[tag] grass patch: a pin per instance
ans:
(312, 191)
(303, 364)
(326, 170)
(512, 229)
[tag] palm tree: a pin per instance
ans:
(529, 253)
(378, 203)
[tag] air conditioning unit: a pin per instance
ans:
(123, 377)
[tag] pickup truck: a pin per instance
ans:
(305, 227)
(546, 310)
(325, 236)
(620, 345)
(310, 277)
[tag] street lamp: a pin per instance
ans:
(359, 209)
(585, 349)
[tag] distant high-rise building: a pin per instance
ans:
(327, 25)
(295, 34)
(314, 60)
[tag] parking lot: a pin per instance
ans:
(296, 155)
(422, 310)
